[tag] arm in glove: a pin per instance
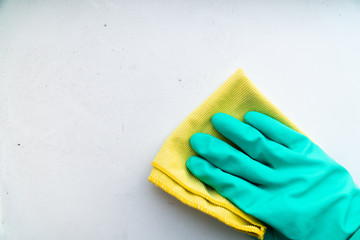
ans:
(278, 176)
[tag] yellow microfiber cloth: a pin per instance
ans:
(236, 96)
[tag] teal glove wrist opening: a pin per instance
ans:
(279, 176)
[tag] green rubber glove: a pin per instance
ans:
(278, 176)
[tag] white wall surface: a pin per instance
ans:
(90, 89)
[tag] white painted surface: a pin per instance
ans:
(90, 89)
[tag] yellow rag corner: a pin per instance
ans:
(236, 96)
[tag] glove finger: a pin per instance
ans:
(272, 234)
(237, 190)
(269, 234)
(275, 130)
(249, 139)
(230, 159)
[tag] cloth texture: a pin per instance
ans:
(237, 96)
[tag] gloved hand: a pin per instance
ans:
(278, 176)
